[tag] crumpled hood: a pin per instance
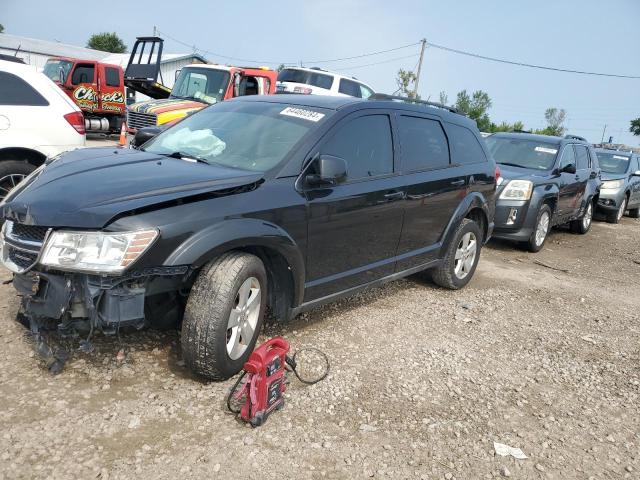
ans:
(86, 188)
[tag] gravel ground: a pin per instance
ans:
(423, 381)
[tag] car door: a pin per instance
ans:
(583, 175)
(354, 227)
(433, 187)
(634, 196)
(84, 86)
(567, 184)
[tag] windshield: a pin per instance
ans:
(202, 84)
(309, 78)
(246, 135)
(57, 70)
(613, 163)
(523, 153)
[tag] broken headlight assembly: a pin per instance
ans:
(96, 252)
(517, 190)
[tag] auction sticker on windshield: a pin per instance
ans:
(302, 113)
(552, 151)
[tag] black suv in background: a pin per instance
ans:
(546, 181)
(620, 184)
(284, 202)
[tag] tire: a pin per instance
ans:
(618, 214)
(205, 326)
(11, 172)
(446, 274)
(634, 212)
(583, 224)
(540, 232)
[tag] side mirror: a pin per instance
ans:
(571, 168)
(636, 173)
(61, 75)
(175, 77)
(236, 84)
(145, 134)
(326, 170)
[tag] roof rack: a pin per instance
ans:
(575, 137)
(397, 98)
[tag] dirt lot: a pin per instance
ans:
(423, 382)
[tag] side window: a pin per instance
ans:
(15, 91)
(568, 156)
(582, 157)
(350, 88)
(320, 80)
(83, 74)
(112, 76)
(423, 143)
(365, 144)
(464, 145)
(365, 92)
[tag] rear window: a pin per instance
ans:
(423, 143)
(15, 91)
(112, 76)
(465, 146)
(308, 78)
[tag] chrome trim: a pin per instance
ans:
(6, 239)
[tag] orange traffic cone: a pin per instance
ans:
(123, 135)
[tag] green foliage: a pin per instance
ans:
(443, 98)
(1, 28)
(506, 127)
(475, 107)
(406, 80)
(635, 126)
(280, 67)
(555, 122)
(107, 42)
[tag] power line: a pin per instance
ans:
(530, 65)
(363, 55)
(346, 69)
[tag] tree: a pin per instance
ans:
(475, 107)
(555, 122)
(506, 127)
(107, 42)
(405, 81)
(635, 126)
(1, 28)
(443, 98)
(280, 67)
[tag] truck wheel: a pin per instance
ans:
(618, 214)
(461, 257)
(634, 212)
(541, 230)
(224, 314)
(583, 224)
(12, 172)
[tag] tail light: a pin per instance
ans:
(498, 175)
(76, 120)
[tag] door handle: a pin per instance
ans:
(458, 183)
(577, 177)
(398, 195)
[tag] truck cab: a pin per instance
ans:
(198, 86)
(97, 88)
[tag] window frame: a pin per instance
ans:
(106, 76)
(560, 154)
(410, 113)
(575, 149)
(42, 101)
(83, 65)
(485, 153)
(333, 130)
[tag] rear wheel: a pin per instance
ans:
(12, 172)
(618, 214)
(583, 224)
(541, 231)
(461, 258)
(224, 314)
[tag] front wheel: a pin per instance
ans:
(618, 214)
(12, 172)
(541, 230)
(583, 224)
(224, 314)
(634, 212)
(461, 258)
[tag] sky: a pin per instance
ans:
(588, 35)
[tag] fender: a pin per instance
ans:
(237, 233)
(471, 201)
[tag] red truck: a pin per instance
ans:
(97, 88)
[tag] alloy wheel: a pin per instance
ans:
(542, 228)
(588, 214)
(465, 255)
(243, 317)
(8, 182)
(621, 210)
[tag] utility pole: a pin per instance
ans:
(415, 85)
(154, 31)
(603, 130)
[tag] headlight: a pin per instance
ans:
(97, 252)
(613, 184)
(517, 190)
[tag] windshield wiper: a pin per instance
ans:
(511, 164)
(185, 156)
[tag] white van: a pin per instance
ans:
(37, 121)
(315, 81)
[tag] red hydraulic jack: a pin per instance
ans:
(264, 381)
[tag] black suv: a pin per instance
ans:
(546, 181)
(284, 202)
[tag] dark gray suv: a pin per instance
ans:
(620, 186)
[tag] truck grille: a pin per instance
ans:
(20, 245)
(136, 120)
